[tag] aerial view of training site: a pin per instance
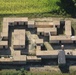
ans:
(37, 37)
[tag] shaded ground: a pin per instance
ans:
(74, 27)
(67, 6)
(67, 69)
(66, 46)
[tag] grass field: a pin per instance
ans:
(24, 72)
(37, 8)
(27, 6)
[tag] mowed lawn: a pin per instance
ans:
(27, 6)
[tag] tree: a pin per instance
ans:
(68, 6)
(22, 71)
(74, 2)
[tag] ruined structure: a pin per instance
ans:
(23, 40)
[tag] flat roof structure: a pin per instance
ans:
(39, 41)
(19, 37)
(44, 24)
(6, 22)
(62, 37)
(56, 23)
(68, 28)
(2, 59)
(4, 43)
(47, 30)
(73, 38)
(13, 19)
(31, 24)
(30, 58)
(38, 48)
(18, 57)
(61, 57)
(4, 35)
(47, 53)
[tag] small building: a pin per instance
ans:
(44, 24)
(33, 59)
(4, 35)
(50, 31)
(46, 31)
(31, 24)
(40, 31)
(60, 39)
(38, 48)
(18, 58)
(53, 39)
(47, 54)
(39, 42)
(19, 39)
(68, 30)
(57, 24)
(61, 58)
(5, 30)
(3, 44)
(20, 21)
(73, 38)
(6, 59)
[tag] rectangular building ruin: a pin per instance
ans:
(25, 39)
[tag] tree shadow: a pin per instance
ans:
(60, 31)
(73, 32)
(67, 6)
(64, 69)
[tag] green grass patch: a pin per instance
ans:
(24, 72)
(27, 6)
(31, 8)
